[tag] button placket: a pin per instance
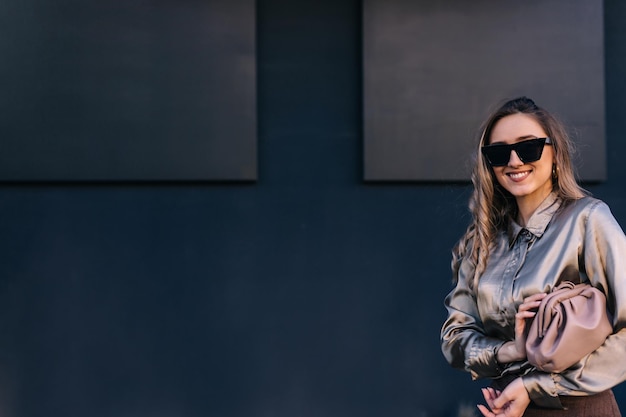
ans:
(522, 246)
(506, 285)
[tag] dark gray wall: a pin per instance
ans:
(420, 57)
(127, 90)
(309, 293)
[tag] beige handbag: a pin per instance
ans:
(571, 322)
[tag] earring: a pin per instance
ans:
(555, 172)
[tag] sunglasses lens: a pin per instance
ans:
(530, 150)
(498, 155)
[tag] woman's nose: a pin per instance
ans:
(514, 160)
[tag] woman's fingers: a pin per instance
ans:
(533, 300)
(490, 395)
(522, 315)
(535, 297)
(485, 411)
(529, 305)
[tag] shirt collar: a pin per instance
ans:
(539, 220)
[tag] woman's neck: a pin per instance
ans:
(526, 207)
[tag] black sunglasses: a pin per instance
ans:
(530, 150)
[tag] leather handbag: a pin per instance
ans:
(570, 323)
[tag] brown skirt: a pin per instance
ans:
(598, 405)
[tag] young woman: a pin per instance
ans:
(532, 227)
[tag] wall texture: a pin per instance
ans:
(309, 293)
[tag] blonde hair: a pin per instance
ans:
(491, 206)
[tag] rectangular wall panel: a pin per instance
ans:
(127, 90)
(433, 70)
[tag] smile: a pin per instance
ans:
(518, 176)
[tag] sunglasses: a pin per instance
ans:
(528, 151)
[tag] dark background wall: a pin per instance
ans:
(419, 56)
(308, 293)
(127, 90)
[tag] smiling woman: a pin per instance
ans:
(532, 227)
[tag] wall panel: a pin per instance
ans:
(432, 69)
(118, 90)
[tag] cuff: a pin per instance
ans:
(542, 390)
(482, 362)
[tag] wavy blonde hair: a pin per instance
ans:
(491, 206)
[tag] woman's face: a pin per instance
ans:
(531, 182)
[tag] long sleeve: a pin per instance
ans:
(602, 255)
(463, 340)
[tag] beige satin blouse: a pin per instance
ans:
(559, 241)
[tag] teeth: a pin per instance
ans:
(518, 175)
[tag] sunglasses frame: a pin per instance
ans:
(537, 142)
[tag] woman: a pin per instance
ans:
(532, 227)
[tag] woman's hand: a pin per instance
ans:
(512, 402)
(516, 350)
(527, 310)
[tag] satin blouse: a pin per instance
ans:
(578, 240)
